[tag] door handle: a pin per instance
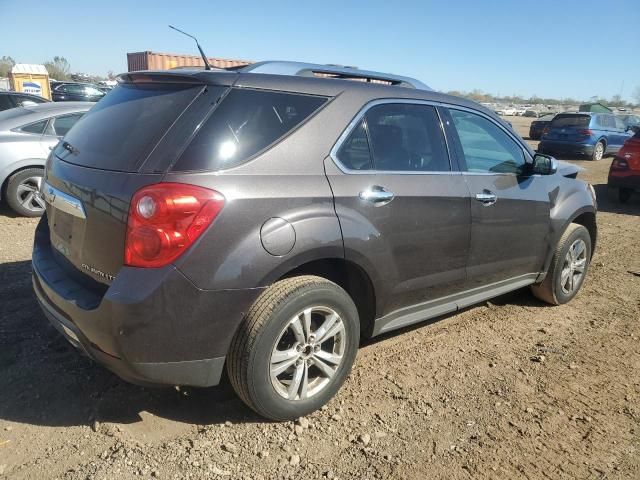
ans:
(377, 195)
(487, 197)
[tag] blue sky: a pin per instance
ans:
(559, 48)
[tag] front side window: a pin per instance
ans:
(245, 123)
(354, 153)
(486, 147)
(619, 123)
(406, 137)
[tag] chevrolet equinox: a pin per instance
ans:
(263, 220)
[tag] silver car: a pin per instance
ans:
(26, 136)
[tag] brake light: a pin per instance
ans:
(586, 132)
(165, 219)
(545, 131)
(619, 164)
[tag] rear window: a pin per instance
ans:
(245, 123)
(578, 121)
(121, 130)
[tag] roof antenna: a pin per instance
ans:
(204, 57)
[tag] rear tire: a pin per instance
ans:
(568, 268)
(281, 328)
(624, 194)
(22, 192)
(598, 151)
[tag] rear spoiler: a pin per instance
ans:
(195, 77)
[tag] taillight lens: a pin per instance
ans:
(586, 132)
(545, 131)
(165, 219)
(619, 164)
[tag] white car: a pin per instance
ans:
(506, 111)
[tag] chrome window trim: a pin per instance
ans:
(362, 112)
(360, 115)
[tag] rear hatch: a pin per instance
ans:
(568, 127)
(126, 141)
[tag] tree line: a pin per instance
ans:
(479, 96)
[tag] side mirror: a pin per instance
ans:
(544, 164)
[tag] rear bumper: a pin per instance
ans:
(629, 179)
(152, 326)
(566, 148)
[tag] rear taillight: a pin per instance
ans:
(545, 131)
(619, 164)
(165, 219)
(586, 132)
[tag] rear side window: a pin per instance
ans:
(121, 130)
(37, 127)
(407, 138)
(577, 121)
(245, 123)
(354, 152)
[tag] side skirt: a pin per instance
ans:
(451, 303)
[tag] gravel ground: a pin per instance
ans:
(511, 388)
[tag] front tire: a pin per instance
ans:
(568, 267)
(295, 347)
(22, 192)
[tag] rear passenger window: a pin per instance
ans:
(407, 137)
(246, 122)
(37, 127)
(619, 123)
(354, 152)
(61, 125)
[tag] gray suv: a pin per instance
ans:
(265, 220)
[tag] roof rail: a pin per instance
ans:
(335, 71)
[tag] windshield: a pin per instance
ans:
(577, 121)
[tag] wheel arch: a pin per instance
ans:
(15, 167)
(349, 276)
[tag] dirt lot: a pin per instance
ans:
(459, 397)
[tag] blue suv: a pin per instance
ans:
(592, 134)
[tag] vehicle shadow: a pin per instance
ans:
(45, 381)
(6, 211)
(608, 201)
(521, 297)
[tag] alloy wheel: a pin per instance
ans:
(28, 194)
(599, 151)
(307, 353)
(575, 262)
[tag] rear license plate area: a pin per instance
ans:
(62, 225)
